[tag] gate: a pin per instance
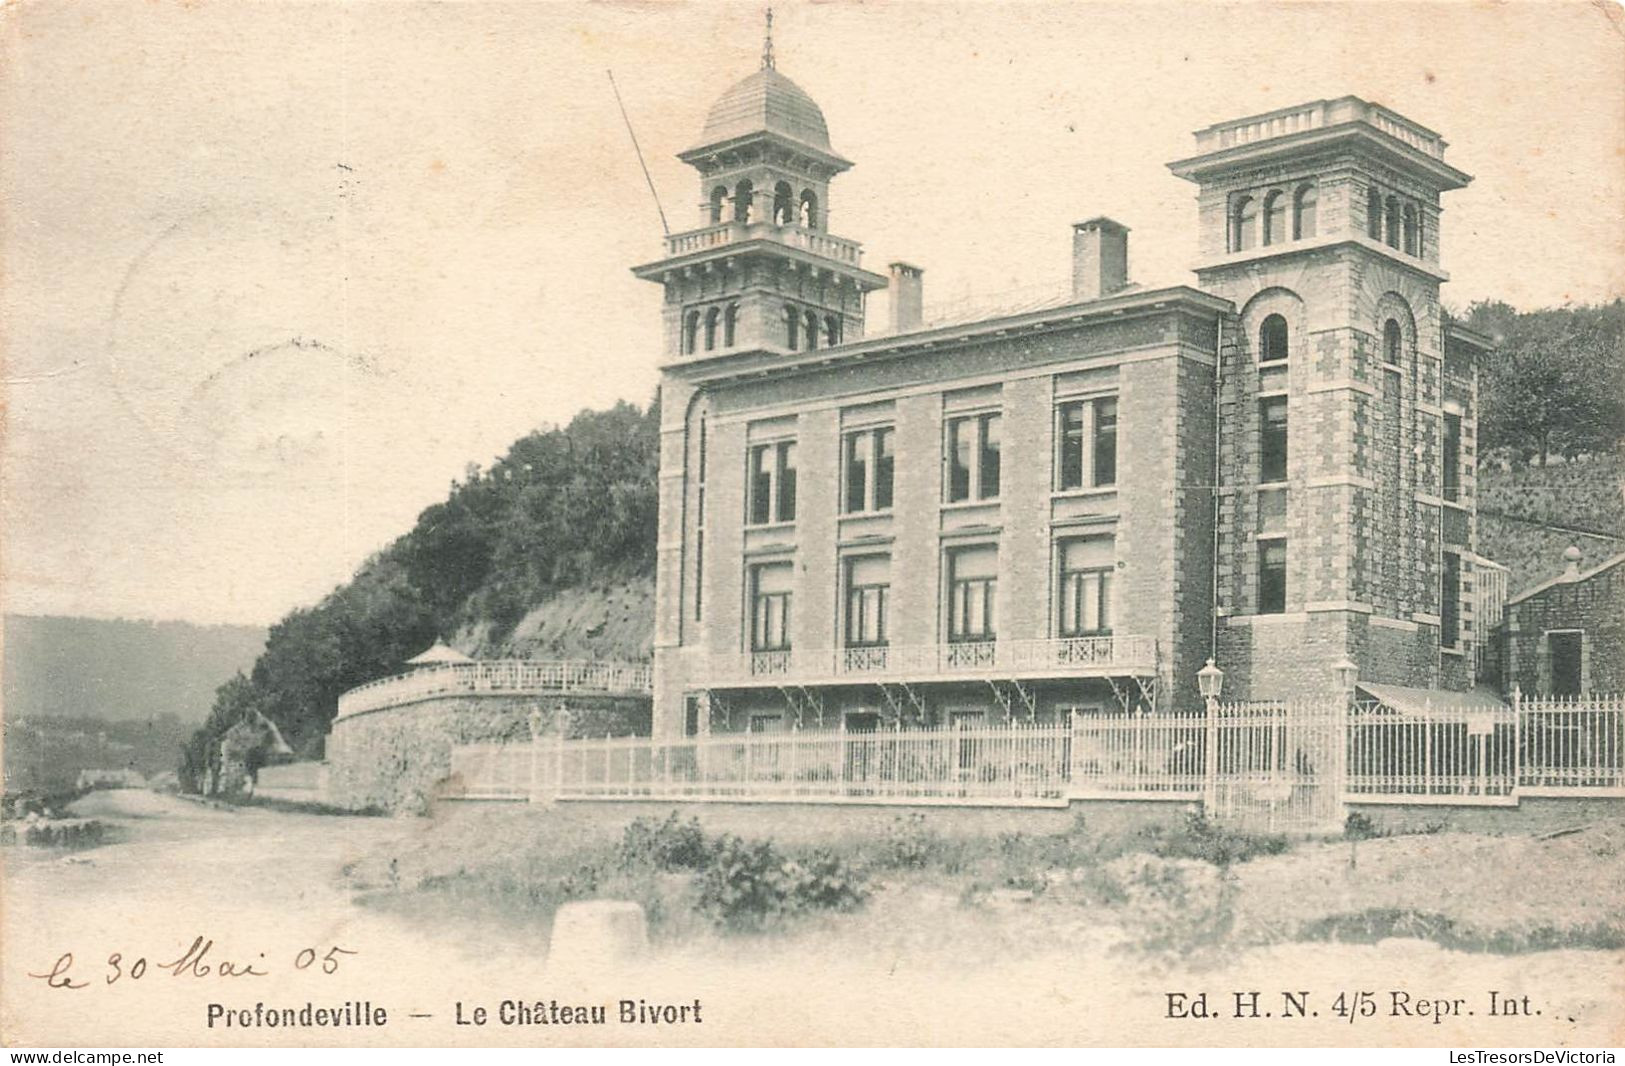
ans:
(1276, 767)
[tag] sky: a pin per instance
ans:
(274, 274)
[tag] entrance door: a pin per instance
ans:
(1564, 650)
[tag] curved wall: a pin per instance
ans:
(399, 758)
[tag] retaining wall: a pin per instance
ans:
(398, 758)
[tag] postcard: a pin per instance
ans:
(509, 541)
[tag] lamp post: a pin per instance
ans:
(1345, 673)
(1210, 682)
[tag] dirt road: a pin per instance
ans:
(265, 892)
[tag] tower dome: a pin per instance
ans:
(767, 101)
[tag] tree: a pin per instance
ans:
(1555, 386)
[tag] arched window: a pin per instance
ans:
(744, 195)
(783, 212)
(691, 332)
(1412, 231)
(809, 209)
(719, 197)
(832, 330)
(1373, 214)
(1272, 338)
(1390, 221)
(792, 326)
(1275, 217)
(1393, 341)
(812, 330)
(730, 324)
(1304, 202)
(711, 318)
(1243, 223)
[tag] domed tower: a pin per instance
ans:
(762, 272)
(758, 286)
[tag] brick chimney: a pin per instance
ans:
(907, 297)
(1099, 258)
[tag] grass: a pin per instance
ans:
(906, 883)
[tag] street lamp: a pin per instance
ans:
(1210, 681)
(1346, 672)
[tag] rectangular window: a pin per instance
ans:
(1450, 601)
(974, 457)
(767, 723)
(1085, 586)
(885, 466)
(972, 593)
(857, 471)
(761, 485)
(770, 607)
(691, 716)
(787, 482)
(867, 483)
(1272, 577)
(773, 483)
(988, 457)
(1086, 439)
(1272, 439)
(1070, 436)
(1106, 441)
(1452, 457)
(868, 587)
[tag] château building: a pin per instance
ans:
(1073, 505)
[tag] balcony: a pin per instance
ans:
(729, 233)
(1113, 656)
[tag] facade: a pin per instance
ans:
(1566, 636)
(1072, 506)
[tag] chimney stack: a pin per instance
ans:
(907, 297)
(1099, 258)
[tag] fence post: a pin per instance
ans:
(1210, 760)
(1517, 738)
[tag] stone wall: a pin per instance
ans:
(1532, 814)
(1595, 607)
(399, 758)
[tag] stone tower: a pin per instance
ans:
(759, 284)
(1346, 414)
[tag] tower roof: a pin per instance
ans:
(766, 102)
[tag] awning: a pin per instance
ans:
(1435, 701)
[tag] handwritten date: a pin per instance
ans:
(195, 961)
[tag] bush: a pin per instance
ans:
(908, 843)
(748, 886)
(73, 835)
(1199, 838)
(1174, 905)
(1358, 826)
(668, 845)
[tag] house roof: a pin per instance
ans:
(437, 653)
(1428, 702)
(1564, 579)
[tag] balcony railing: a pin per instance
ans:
(498, 677)
(726, 233)
(1058, 657)
(1315, 116)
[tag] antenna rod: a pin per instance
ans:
(664, 227)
